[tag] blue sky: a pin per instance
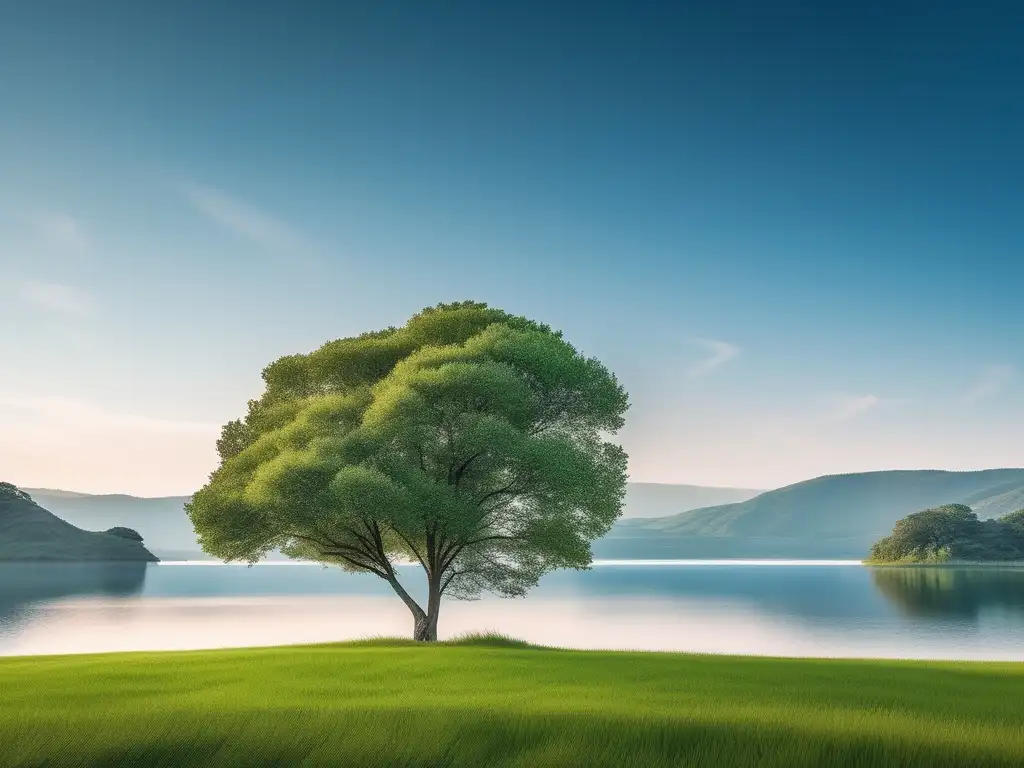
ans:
(793, 229)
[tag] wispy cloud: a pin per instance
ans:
(60, 231)
(53, 297)
(990, 382)
(846, 407)
(719, 353)
(245, 221)
(71, 413)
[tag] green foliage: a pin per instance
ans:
(1015, 521)
(951, 532)
(462, 706)
(470, 441)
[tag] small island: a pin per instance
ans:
(29, 533)
(949, 535)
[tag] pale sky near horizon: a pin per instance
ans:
(792, 229)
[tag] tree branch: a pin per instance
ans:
(412, 546)
(413, 606)
(493, 538)
(465, 465)
(326, 542)
(500, 492)
(309, 539)
(432, 550)
(370, 546)
(445, 560)
(380, 566)
(450, 579)
(357, 564)
(378, 540)
(449, 557)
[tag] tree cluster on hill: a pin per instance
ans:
(11, 492)
(949, 533)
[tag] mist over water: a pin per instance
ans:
(825, 609)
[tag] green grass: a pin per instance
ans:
(492, 701)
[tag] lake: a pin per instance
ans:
(823, 609)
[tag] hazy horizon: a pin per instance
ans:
(29, 488)
(76, 491)
(792, 231)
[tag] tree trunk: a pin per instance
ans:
(421, 626)
(425, 628)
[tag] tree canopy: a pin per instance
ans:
(469, 441)
(951, 532)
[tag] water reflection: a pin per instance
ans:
(23, 586)
(760, 608)
(951, 592)
(793, 590)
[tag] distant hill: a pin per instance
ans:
(168, 532)
(30, 533)
(644, 500)
(832, 516)
(161, 521)
(991, 503)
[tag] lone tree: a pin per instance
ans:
(469, 441)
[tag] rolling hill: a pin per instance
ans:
(30, 533)
(644, 500)
(167, 530)
(832, 516)
(161, 521)
(996, 502)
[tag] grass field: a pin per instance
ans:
(486, 703)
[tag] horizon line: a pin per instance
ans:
(30, 489)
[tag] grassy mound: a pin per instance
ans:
(490, 701)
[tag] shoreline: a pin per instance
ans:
(488, 641)
(950, 564)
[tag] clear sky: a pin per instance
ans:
(794, 229)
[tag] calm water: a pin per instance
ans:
(805, 609)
